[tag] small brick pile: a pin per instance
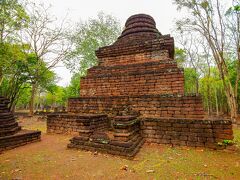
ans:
(11, 135)
(138, 72)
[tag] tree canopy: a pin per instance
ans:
(88, 37)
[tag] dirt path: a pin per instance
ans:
(50, 159)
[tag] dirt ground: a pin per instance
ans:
(50, 159)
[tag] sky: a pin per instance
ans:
(163, 11)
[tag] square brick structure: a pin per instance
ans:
(11, 134)
(136, 94)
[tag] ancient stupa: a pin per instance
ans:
(11, 134)
(136, 94)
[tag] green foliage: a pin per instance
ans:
(232, 64)
(234, 9)
(212, 91)
(190, 77)
(9, 55)
(39, 73)
(204, 4)
(21, 66)
(14, 68)
(13, 72)
(73, 90)
(225, 142)
(55, 98)
(180, 56)
(219, 28)
(88, 37)
(24, 95)
(210, 87)
(13, 17)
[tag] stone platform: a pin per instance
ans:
(11, 134)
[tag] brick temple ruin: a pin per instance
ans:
(11, 134)
(136, 95)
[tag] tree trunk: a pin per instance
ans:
(238, 58)
(228, 88)
(216, 99)
(1, 79)
(232, 101)
(208, 99)
(237, 76)
(197, 86)
(31, 103)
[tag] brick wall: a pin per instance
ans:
(175, 131)
(124, 46)
(19, 139)
(138, 74)
(148, 106)
(186, 132)
(137, 58)
(75, 124)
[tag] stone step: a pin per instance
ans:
(8, 126)
(3, 106)
(4, 115)
(23, 137)
(126, 150)
(9, 132)
(9, 118)
(8, 121)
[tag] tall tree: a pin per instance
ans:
(207, 17)
(16, 74)
(233, 25)
(47, 41)
(88, 37)
(13, 18)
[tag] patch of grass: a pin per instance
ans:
(236, 132)
(175, 163)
